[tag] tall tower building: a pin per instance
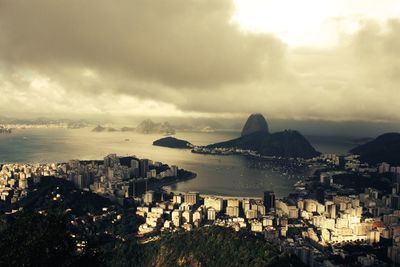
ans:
(144, 167)
(269, 200)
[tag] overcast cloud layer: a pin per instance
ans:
(186, 58)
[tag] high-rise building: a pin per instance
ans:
(213, 202)
(187, 216)
(135, 163)
(144, 167)
(78, 181)
(134, 170)
(197, 217)
(176, 217)
(330, 209)
(211, 214)
(174, 170)
(246, 205)
(269, 200)
(177, 199)
(192, 198)
(233, 202)
(384, 167)
(394, 254)
(395, 202)
(111, 160)
(251, 214)
(232, 211)
(148, 197)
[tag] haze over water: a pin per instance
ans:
(221, 175)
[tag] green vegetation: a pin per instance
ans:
(31, 239)
(385, 148)
(80, 202)
(213, 246)
(172, 142)
(359, 182)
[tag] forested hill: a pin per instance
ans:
(385, 148)
(214, 246)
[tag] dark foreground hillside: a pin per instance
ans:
(50, 231)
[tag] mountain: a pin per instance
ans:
(172, 143)
(255, 123)
(255, 136)
(148, 127)
(385, 148)
(288, 144)
(166, 128)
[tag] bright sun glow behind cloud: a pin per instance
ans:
(316, 23)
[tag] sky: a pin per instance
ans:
(311, 60)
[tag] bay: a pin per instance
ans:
(220, 175)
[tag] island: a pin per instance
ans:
(100, 129)
(173, 142)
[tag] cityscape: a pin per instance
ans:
(200, 133)
(314, 225)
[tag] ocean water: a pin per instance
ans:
(221, 175)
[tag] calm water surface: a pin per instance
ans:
(224, 175)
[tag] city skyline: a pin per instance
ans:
(330, 61)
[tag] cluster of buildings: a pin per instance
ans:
(225, 151)
(194, 210)
(16, 179)
(315, 230)
(118, 178)
(115, 177)
(305, 227)
(5, 130)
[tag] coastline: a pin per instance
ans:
(167, 181)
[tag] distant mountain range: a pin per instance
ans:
(148, 126)
(145, 127)
(385, 148)
(255, 136)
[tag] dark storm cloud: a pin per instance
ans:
(179, 43)
(184, 58)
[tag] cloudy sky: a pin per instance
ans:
(335, 60)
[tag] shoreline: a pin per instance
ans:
(159, 184)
